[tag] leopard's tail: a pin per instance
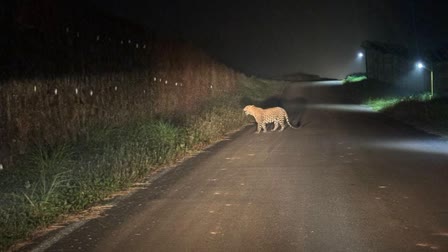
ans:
(287, 120)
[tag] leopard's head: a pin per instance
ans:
(248, 109)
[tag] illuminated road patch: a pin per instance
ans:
(328, 83)
(429, 146)
(321, 83)
(342, 107)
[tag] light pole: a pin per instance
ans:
(420, 65)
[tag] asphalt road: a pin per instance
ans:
(347, 180)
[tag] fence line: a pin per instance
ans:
(171, 78)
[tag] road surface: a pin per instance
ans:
(348, 180)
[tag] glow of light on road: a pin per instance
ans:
(427, 146)
(342, 107)
(327, 83)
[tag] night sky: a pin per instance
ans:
(272, 38)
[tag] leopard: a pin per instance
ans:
(276, 115)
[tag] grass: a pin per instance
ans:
(381, 104)
(52, 181)
(418, 110)
(353, 78)
(255, 90)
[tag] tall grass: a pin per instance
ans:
(87, 114)
(58, 106)
(53, 180)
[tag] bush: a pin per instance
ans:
(354, 77)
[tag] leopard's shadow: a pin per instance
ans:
(296, 109)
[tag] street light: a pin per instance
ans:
(361, 58)
(420, 65)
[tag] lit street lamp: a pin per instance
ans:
(420, 65)
(361, 59)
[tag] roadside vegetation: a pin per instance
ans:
(52, 181)
(386, 103)
(419, 110)
(78, 123)
(354, 77)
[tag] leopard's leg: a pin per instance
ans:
(282, 125)
(258, 128)
(264, 127)
(275, 126)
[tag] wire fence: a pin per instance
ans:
(60, 85)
